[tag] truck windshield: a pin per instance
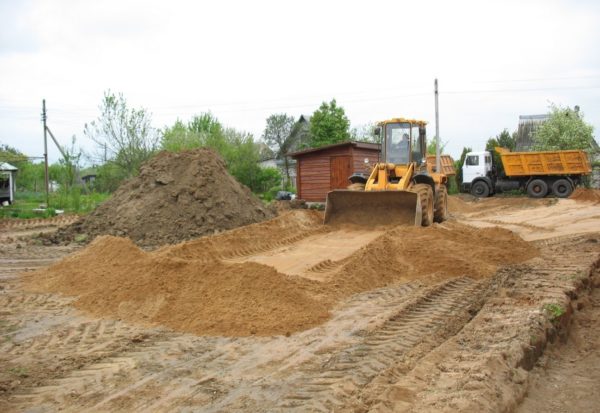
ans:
(397, 142)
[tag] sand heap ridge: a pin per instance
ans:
(201, 286)
(176, 197)
(586, 195)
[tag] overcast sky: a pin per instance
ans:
(244, 60)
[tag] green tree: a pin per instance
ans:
(328, 125)
(503, 140)
(267, 179)
(69, 166)
(12, 156)
(238, 149)
(202, 130)
(108, 177)
(365, 133)
(281, 134)
(565, 129)
(458, 166)
(124, 134)
(431, 149)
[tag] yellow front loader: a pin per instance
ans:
(399, 188)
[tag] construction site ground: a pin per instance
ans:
(462, 316)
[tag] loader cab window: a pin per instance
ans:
(397, 146)
(488, 160)
(417, 155)
(472, 160)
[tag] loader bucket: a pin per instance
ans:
(372, 208)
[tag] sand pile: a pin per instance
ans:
(177, 196)
(586, 195)
(197, 287)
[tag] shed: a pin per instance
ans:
(320, 170)
(7, 182)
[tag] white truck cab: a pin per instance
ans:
(477, 168)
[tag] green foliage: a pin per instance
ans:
(238, 149)
(365, 133)
(329, 125)
(203, 130)
(453, 187)
(124, 134)
(431, 147)
(268, 178)
(282, 134)
(72, 201)
(504, 140)
(555, 311)
(458, 166)
(12, 156)
(30, 177)
(108, 177)
(565, 129)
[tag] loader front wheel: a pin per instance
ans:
(441, 205)
(426, 197)
(356, 187)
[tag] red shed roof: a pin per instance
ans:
(362, 145)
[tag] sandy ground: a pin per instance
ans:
(453, 343)
(534, 219)
(568, 378)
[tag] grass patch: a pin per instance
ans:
(28, 204)
(555, 311)
(19, 372)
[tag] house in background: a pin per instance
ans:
(528, 124)
(88, 176)
(8, 174)
(320, 170)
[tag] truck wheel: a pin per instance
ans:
(537, 188)
(562, 188)
(426, 197)
(480, 189)
(440, 213)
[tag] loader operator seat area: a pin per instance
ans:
(397, 143)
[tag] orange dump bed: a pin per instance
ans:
(447, 164)
(544, 163)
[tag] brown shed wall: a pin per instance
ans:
(314, 179)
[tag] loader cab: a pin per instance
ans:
(403, 141)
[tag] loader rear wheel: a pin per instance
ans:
(426, 197)
(440, 213)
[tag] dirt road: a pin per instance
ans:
(462, 333)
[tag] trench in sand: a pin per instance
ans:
(316, 256)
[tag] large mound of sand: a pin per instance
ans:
(176, 197)
(586, 195)
(197, 287)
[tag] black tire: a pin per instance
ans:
(440, 213)
(480, 189)
(356, 187)
(425, 194)
(537, 188)
(562, 188)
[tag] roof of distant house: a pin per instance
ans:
(356, 144)
(4, 166)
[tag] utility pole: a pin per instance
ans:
(44, 117)
(438, 166)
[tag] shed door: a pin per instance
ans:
(340, 171)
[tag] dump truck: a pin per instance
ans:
(538, 173)
(400, 189)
